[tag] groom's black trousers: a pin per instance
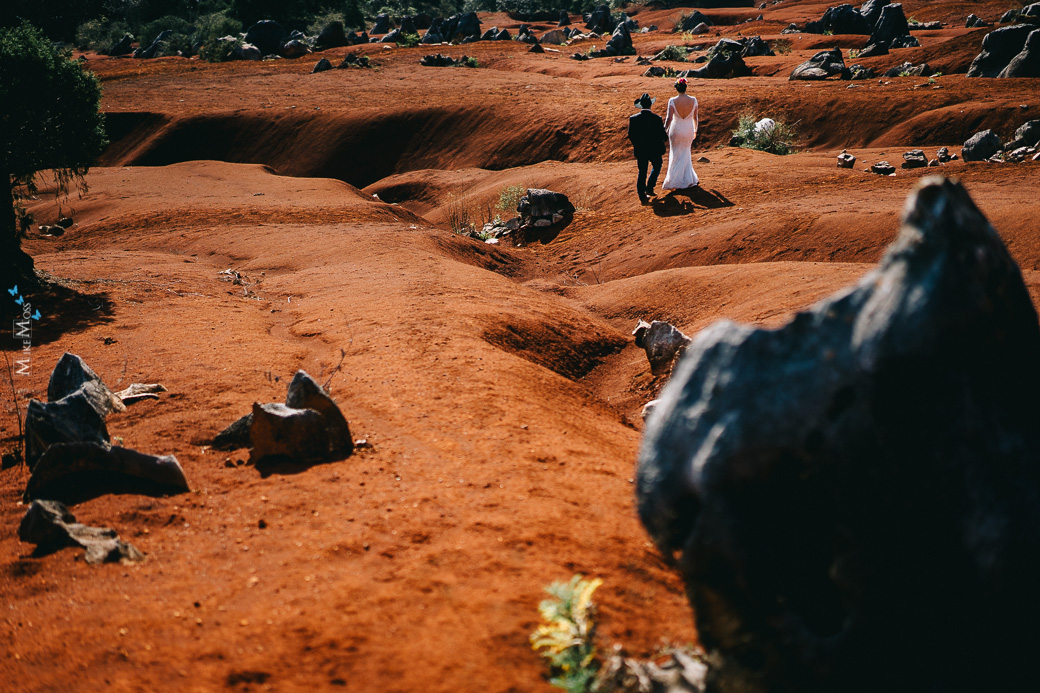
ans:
(643, 183)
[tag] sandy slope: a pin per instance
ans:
(498, 387)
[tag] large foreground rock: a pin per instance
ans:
(998, 49)
(856, 495)
(1027, 62)
(50, 525)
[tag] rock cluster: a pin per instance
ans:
(438, 60)
(853, 495)
(1011, 51)
(309, 427)
(67, 441)
(821, 66)
(988, 146)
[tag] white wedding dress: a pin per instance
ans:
(681, 132)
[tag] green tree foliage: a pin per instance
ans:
(49, 121)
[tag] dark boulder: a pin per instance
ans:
(883, 168)
(905, 41)
(153, 49)
(724, 64)
(321, 66)
(814, 27)
(862, 484)
(295, 48)
(72, 374)
(754, 46)
(503, 35)
(305, 393)
(408, 25)
(565, 19)
(50, 525)
(981, 146)
(974, 22)
(620, 42)
(432, 36)
(998, 48)
(1028, 135)
(891, 25)
(393, 36)
(282, 431)
(540, 205)
(422, 21)
(871, 10)
(382, 24)
(469, 25)
(845, 19)
(873, 50)
(125, 46)
(846, 160)
(857, 72)
(1027, 62)
(1008, 17)
(267, 36)
(691, 21)
(821, 66)
(69, 470)
(332, 35)
(599, 20)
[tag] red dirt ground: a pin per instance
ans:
(498, 387)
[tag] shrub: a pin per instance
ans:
(210, 27)
(219, 50)
(470, 61)
(782, 46)
(100, 34)
(509, 198)
(567, 634)
(778, 139)
(408, 40)
(675, 53)
(152, 29)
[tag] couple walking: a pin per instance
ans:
(648, 134)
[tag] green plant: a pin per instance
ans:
(219, 50)
(470, 61)
(674, 53)
(776, 139)
(566, 638)
(320, 21)
(100, 34)
(151, 30)
(509, 198)
(828, 32)
(408, 40)
(854, 53)
(782, 46)
(904, 73)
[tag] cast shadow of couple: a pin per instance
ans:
(686, 201)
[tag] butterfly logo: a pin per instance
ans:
(19, 300)
(36, 315)
(14, 291)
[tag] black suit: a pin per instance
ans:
(647, 134)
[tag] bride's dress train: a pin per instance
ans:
(680, 160)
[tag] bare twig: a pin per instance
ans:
(17, 410)
(339, 366)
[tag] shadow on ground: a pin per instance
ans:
(687, 201)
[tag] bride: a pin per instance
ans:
(681, 123)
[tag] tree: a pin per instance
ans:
(49, 121)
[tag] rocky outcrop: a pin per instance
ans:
(821, 66)
(1027, 62)
(845, 19)
(541, 208)
(981, 146)
(891, 25)
(860, 485)
(999, 47)
(267, 35)
(333, 35)
(871, 10)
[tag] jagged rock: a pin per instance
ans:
(909, 70)
(846, 160)
(915, 158)
(393, 36)
(70, 374)
(281, 431)
(599, 20)
(981, 146)
(873, 49)
(1027, 62)
(620, 42)
(845, 19)
(439, 60)
(267, 36)
(834, 486)
(814, 27)
(1028, 135)
(382, 24)
(153, 49)
(726, 62)
(295, 49)
(973, 22)
(554, 37)
(125, 46)
(662, 342)
(890, 25)
(73, 418)
(1008, 17)
(821, 66)
(66, 468)
(565, 19)
(490, 34)
(692, 21)
(654, 71)
(536, 49)
(49, 524)
(859, 72)
(432, 36)
(234, 436)
(754, 47)
(905, 41)
(305, 393)
(332, 35)
(944, 156)
(791, 29)
(539, 203)
(353, 60)
(871, 10)
(322, 65)
(1020, 154)
(883, 168)
(1031, 11)
(998, 48)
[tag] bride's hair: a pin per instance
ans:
(680, 85)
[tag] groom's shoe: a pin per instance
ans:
(643, 199)
(651, 193)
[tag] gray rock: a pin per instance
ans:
(305, 393)
(246, 51)
(1027, 62)
(267, 36)
(1008, 17)
(408, 25)
(599, 20)
(555, 37)
(321, 66)
(140, 391)
(620, 42)
(846, 160)
(71, 419)
(873, 49)
(50, 525)
(234, 436)
(539, 203)
(755, 47)
(943, 155)
(382, 24)
(66, 469)
(845, 19)
(490, 34)
(1028, 135)
(153, 49)
(909, 70)
(915, 158)
(393, 36)
(998, 48)
(333, 35)
(905, 41)
(565, 19)
(125, 46)
(890, 25)
(857, 72)
(883, 168)
(821, 66)
(981, 146)
(974, 22)
(871, 10)
(835, 485)
(70, 374)
(469, 25)
(662, 343)
(692, 21)
(281, 431)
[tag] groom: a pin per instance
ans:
(647, 134)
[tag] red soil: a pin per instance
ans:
(498, 386)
